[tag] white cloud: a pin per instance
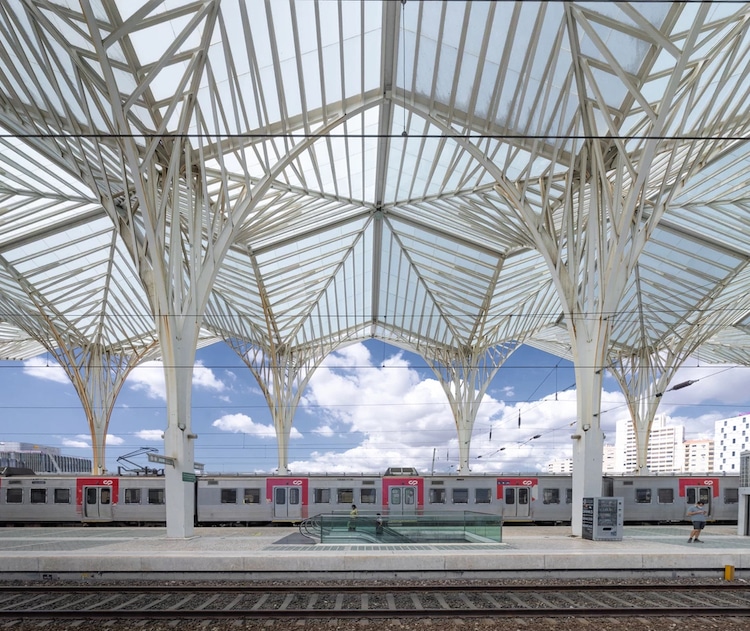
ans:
(75, 444)
(83, 441)
(242, 424)
(204, 378)
(148, 378)
(41, 368)
(150, 434)
(403, 419)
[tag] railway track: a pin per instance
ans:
(97, 602)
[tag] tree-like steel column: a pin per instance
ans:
(592, 236)
(465, 374)
(282, 374)
(644, 376)
(98, 374)
(96, 368)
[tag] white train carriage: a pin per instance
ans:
(68, 499)
(242, 499)
(258, 499)
(665, 498)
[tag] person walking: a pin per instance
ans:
(353, 517)
(697, 514)
(378, 525)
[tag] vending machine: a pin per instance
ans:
(602, 518)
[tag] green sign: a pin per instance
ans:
(188, 477)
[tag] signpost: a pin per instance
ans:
(162, 459)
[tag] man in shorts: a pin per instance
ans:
(697, 514)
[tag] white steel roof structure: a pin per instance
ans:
(456, 178)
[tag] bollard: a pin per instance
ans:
(729, 572)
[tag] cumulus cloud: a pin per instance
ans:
(150, 434)
(42, 368)
(402, 417)
(75, 444)
(83, 441)
(148, 378)
(242, 424)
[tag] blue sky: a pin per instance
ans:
(368, 407)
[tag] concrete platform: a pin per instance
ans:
(95, 553)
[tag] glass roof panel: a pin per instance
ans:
(363, 231)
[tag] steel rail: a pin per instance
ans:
(283, 601)
(378, 588)
(328, 614)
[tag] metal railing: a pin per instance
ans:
(460, 527)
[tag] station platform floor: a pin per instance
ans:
(281, 553)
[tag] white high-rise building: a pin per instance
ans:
(666, 451)
(732, 437)
(699, 456)
(609, 458)
(560, 465)
(565, 465)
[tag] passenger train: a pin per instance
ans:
(244, 499)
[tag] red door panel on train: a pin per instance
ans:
(516, 494)
(403, 495)
(699, 489)
(288, 496)
(95, 498)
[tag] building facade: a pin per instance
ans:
(666, 451)
(732, 437)
(40, 458)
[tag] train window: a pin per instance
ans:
(105, 496)
(252, 496)
(345, 496)
(279, 496)
(367, 496)
(460, 496)
(322, 496)
(568, 496)
(132, 496)
(395, 496)
(13, 496)
(91, 496)
(731, 496)
(643, 496)
(510, 496)
(228, 496)
(294, 495)
(156, 496)
(437, 496)
(665, 496)
(62, 496)
(38, 496)
(482, 496)
(551, 496)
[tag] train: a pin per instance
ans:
(254, 499)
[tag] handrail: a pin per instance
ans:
(311, 527)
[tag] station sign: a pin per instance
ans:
(158, 458)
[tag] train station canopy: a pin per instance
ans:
(380, 169)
